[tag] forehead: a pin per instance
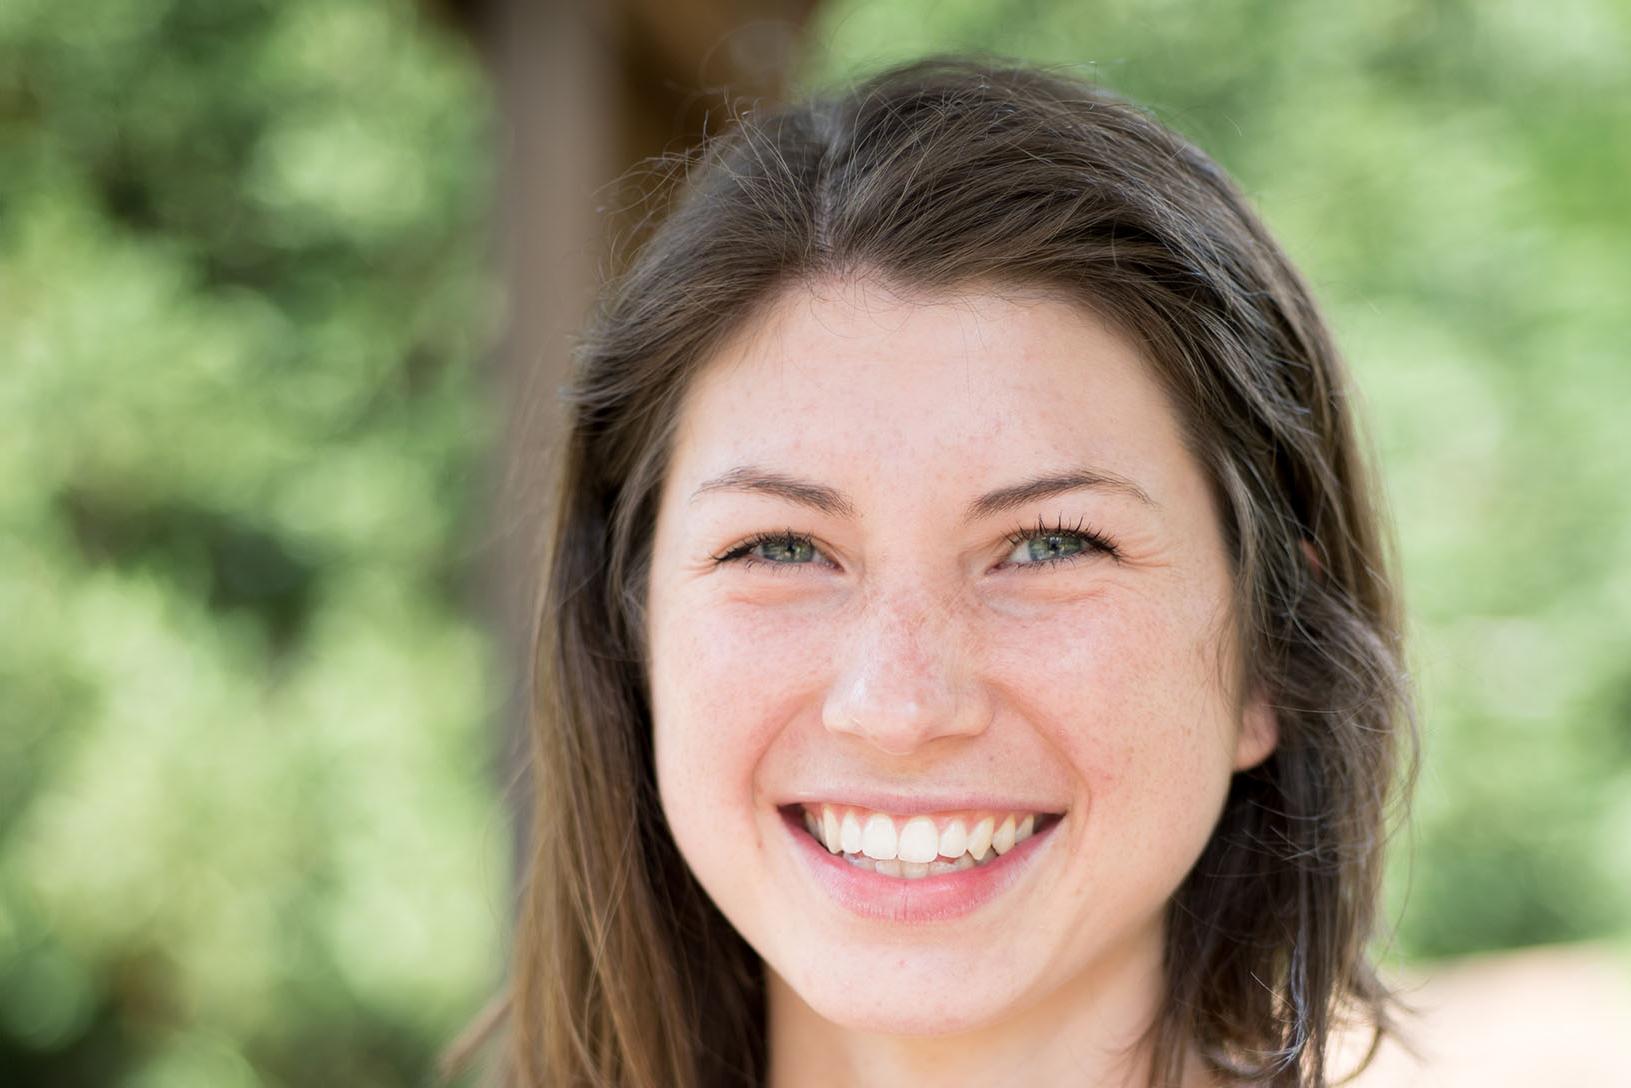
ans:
(980, 380)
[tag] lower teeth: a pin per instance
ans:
(915, 870)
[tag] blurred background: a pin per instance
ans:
(286, 289)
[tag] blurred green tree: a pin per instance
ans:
(246, 832)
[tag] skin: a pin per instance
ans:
(910, 650)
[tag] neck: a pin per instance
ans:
(1091, 1030)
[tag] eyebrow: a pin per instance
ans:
(827, 500)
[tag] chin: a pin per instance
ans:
(902, 992)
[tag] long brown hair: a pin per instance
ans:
(939, 174)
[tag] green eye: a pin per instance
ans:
(1043, 549)
(787, 550)
(1044, 545)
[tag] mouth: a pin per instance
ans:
(915, 847)
(897, 868)
(919, 868)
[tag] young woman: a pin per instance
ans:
(969, 655)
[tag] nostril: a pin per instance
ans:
(903, 728)
(897, 700)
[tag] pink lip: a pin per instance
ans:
(942, 898)
(903, 805)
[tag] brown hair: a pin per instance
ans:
(940, 174)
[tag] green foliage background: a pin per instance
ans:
(248, 834)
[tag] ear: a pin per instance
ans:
(1259, 732)
(1312, 556)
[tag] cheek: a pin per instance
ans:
(1127, 693)
(725, 681)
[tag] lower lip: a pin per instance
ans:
(942, 898)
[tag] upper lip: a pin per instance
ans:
(901, 804)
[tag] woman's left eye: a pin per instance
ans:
(1049, 545)
(1045, 550)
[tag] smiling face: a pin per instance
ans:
(948, 558)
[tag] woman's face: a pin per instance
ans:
(923, 563)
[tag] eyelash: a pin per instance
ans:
(1094, 541)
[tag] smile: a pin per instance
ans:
(919, 846)
(916, 869)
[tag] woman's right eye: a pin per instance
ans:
(787, 549)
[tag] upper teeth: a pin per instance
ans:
(917, 840)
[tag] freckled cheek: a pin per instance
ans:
(726, 681)
(1119, 692)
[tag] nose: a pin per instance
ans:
(906, 679)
